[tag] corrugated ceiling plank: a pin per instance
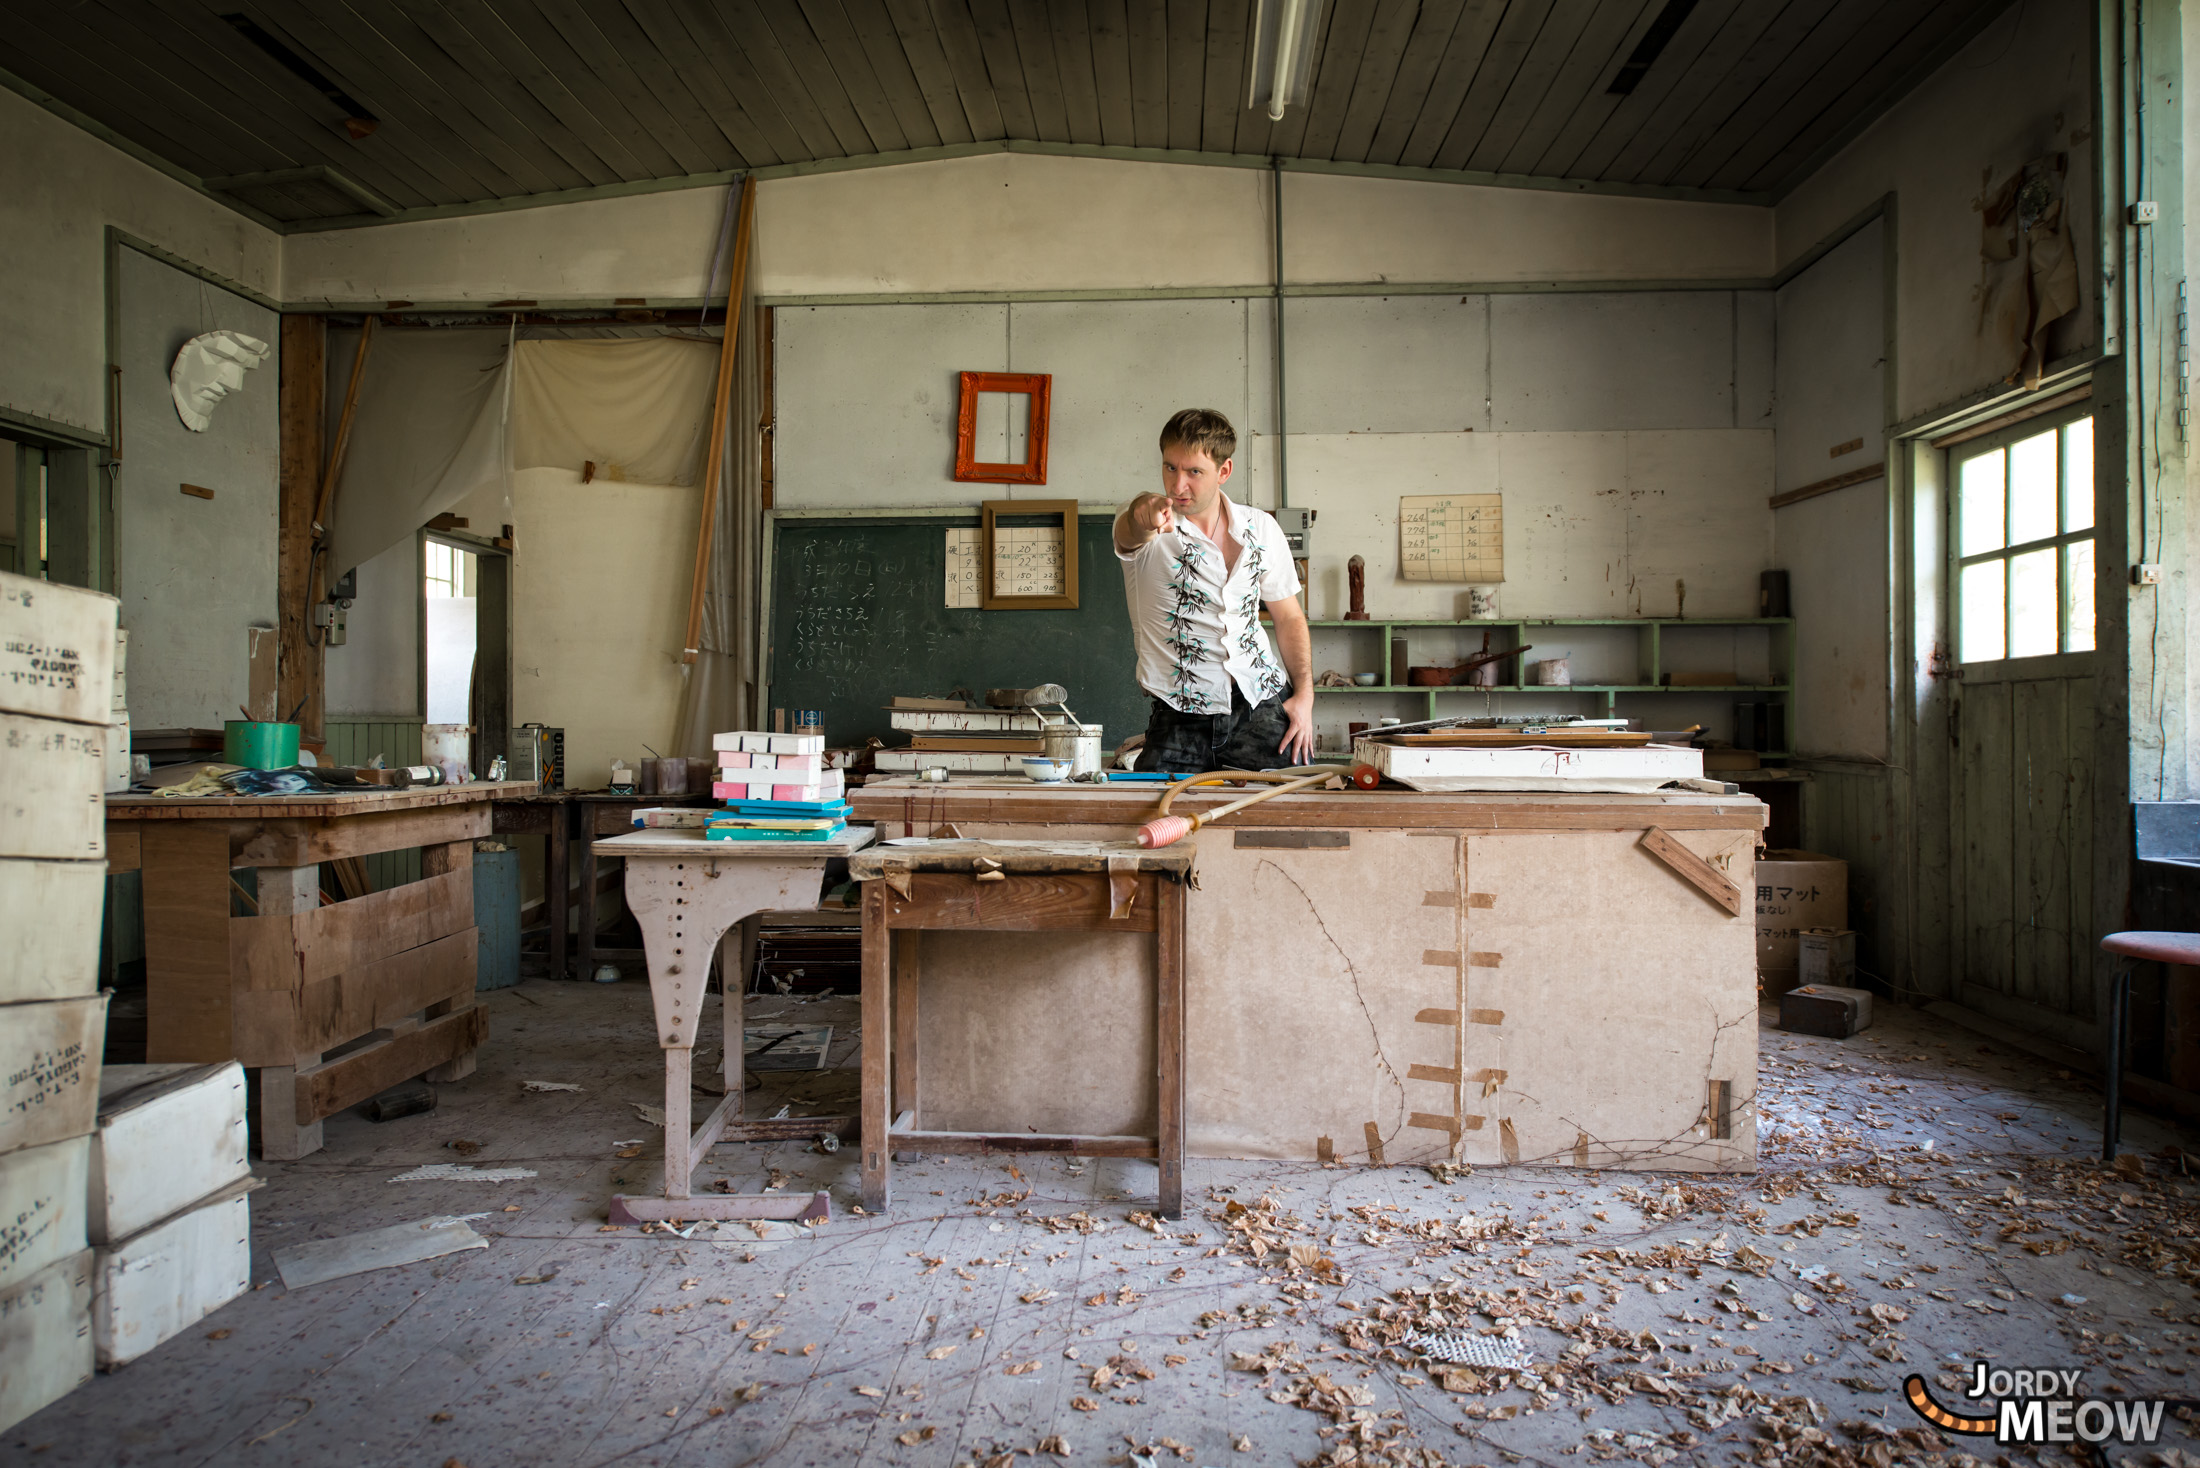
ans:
(791, 33)
(966, 57)
(1703, 80)
(1509, 52)
(1795, 21)
(874, 99)
(1580, 88)
(1148, 22)
(1223, 95)
(920, 42)
(86, 83)
(602, 55)
(1042, 78)
(1463, 57)
(1111, 71)
(1409, 89)
(694, 136)
(891, 65)
(722, 81)
(584, 104)
(1187, 71)
(821, 136)
(1817, 49)
(1387, 39)
(1004, 65)
(1586, 144)
(663, 53)
(1073, 63)
(1334, 79)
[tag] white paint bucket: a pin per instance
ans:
(1554, 672)
(1077, 743)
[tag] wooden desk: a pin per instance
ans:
(1012, 886)
(279, 989)
(596, 814)
(534, 811)
(686, 892)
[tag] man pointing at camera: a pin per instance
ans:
(1197, 569)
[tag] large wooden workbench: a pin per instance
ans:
(1379, 976)
(282, 987)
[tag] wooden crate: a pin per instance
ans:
(49, 1070)
(168, 1136)
(45, 1337)
(52, 912)
(171, 1276)
(52, 778)
(57, 650)
(42, 1212)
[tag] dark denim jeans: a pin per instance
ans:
(1248, 737)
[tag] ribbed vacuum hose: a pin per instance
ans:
(1166, 830)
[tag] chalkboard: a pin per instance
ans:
(858, 614)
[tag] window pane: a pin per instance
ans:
(1980, 597)
(2032, 489)
(2035, 611)
(2078, 478)
(1980, 503)
(2078, 597)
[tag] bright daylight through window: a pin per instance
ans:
(2024, 546)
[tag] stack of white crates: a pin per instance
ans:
(169, 1218)
(57, 649)
(118, 722)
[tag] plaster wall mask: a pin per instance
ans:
(208, 369)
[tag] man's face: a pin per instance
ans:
(1192, 480)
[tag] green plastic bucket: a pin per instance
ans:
(259, 746)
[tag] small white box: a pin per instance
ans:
(168, 1135)
(42, 1206)
(752, 743)
(49, 1070)
(53, 776)
(57, 650)
(797, 743)
(1825, 956)
(168, 1278)
(45, 1337)
(52, 912)
(118, 755)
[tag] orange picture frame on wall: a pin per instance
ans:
(1039, 388)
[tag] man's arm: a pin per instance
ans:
(1295, 644)
(1142, 519)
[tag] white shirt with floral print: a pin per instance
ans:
(1197, 630)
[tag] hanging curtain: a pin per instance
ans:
(720, 693)
(637, 409)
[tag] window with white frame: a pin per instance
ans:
(450, 571)
(2024, 542)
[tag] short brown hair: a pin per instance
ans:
(1204, 429)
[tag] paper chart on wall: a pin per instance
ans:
(964, 544)
(1451, 537)
(1027, 560)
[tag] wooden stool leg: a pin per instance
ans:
(2112, 1110)
(679, 1077)
(1169, 1040)
(878, 1049)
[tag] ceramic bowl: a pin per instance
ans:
(1046, 771)
(1367, 680)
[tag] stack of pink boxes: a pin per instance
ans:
(753, 767)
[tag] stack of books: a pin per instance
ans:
(775, 787)
(945, 734)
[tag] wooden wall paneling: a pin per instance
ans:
(1187, 38)
(1809, 58)
(771, 111)
(920, 42)
(748, 36)
(1222, 95)
(1387, 39)
(1582, 84)
(1146, 23)
(2080, 851)
(576, 100)
(1111, 72)
(1471, 40)
(302, 386)
(1433, 25)
(1705, 77)
(535, 40)
(187, 977)
(606, 41)
(1335, 78)
(958, 36)
(842, 50)
(722, 87)
(1590, 138)
(1073, 64)
(1042, 74)
(1540, 72)
(1510, 48)
(723, 133)
(2040, 842)
(890, 63)
(1988, 795)
(1743, 81)
(1004, 65)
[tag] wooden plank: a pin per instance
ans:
(378, 994)
(1827, 486)
(1336, 79)
(326, 1089)
(1693, 869)
(1170, 1017)
(897, 74)
(794, 1128)
(1042, 77)
(878, 1048)
(1384, 52)
(907, 973)
(2040, 821)
(778, 25)
(258, 807)
(347, 936)
(1187, 40)
(1512, 49)
(1111, 72)
(920, 43)
(1590, 140)
(303, 842)
(1470, 42)
(722, 135)
(1073, 65)
(596, 53)
(843, 51)
(1229, 22)
(122, 847)
(1987, 814)
(187, 975)
(1004, 66)
(1146, 24)
(1009, 1143)
(732, 101)
(1579, 94)
(1376, 811)
(737, 31)
(300, 660)
(628, 1209)
(1413, 78)
(958, 38)
(1742, 80)
(550, 71)
(1024, 903)
(1809, 55)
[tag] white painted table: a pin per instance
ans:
(686, 891)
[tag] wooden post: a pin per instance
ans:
(878, 1046)
(435, 861)
(716, 454)
(299, 662)
(1169, 1039)
(287, 892)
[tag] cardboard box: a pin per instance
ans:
(168, 1136)
(171, 1276)
(52, 912)
(1825, 1010)
(42, 1214)
(49, 1070)
(1795, 890)
(1825, 956)
(57, 650)
(53, 775)
(45, 1337)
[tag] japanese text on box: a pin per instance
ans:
(1451, 537)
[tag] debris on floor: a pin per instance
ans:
(380, 1248)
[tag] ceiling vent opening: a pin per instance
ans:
(1651, 46)
(358, 121)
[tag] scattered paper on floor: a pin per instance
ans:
(440, 1172)
(380, 1248)
(548, 1086)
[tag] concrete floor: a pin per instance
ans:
(1665, 1318)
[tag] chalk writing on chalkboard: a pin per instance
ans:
(1451, 537)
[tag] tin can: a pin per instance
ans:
(1077, 743)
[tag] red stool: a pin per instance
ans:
(2132, 948)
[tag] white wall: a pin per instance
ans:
(377, 670)
(60, 188)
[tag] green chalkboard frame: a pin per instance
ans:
(842, 635)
